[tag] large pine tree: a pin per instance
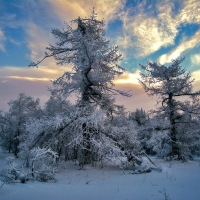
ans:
(85, 132)
(83, 45)
(173, 86)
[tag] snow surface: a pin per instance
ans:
(177, 181)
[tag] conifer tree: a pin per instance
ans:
(170, 83)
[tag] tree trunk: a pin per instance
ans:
(10, 144)
(16, 150)
(175, 147)
(86, 151)
(173, 135)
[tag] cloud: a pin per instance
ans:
(42, 73)
(128, 78)
(69, 10)
(192, 42)
(54, 13)
(195, 59)
(149, 27)
(9, 20)
(27, 78)
(37, 39)
(190, 12)
(14, 41)
(2, 39)
(10, 88)
(148, 32)
(139, 98)
(34, 82)
(196, 76)
(38, 89)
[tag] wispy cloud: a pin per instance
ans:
(196, 76)
(42, 73)
(148, 31)
(37, 39)
(9, 20)
(195, 59)
(192, 42)
(14, 41)
(189, 12)
(145, 31)
(128, 78)
(27, 78)
(107, 9)
(2, 39)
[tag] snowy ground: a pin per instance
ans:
(177, 181)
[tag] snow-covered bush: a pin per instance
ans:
(148, 134)
(43, 164)
(159, 143)
(11, 172)
(45, 173)
(43, 167)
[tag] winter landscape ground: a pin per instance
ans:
(176, 181)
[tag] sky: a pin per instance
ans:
(144, 30)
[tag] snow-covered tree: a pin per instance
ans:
(55, 105)
(94, 64)
(86, 132)
(7, 132)
(20, 111)
(173, 86)
(139, 116)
